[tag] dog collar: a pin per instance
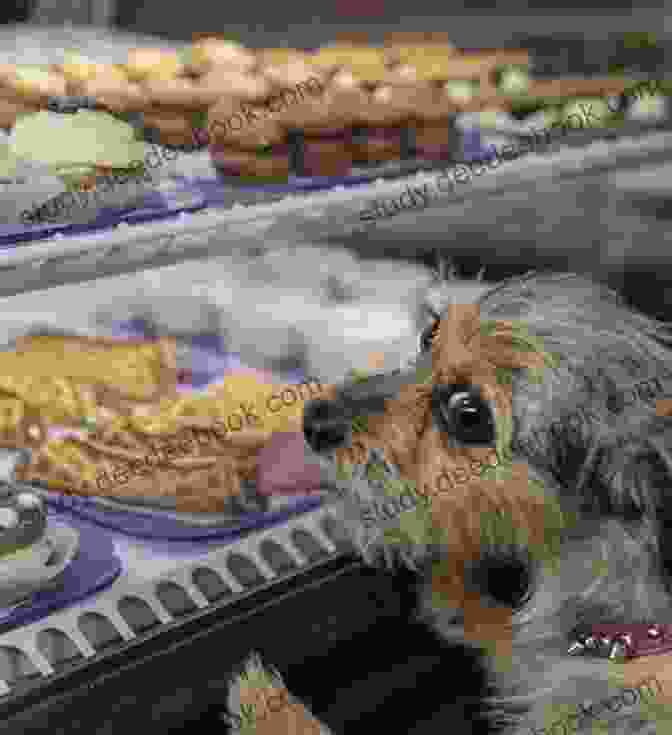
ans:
(620, 642)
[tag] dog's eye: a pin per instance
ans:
(507, 579)
(463, 414)
(427, 336)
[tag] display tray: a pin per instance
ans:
(241, 218)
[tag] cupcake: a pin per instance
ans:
(245, 143)
(96, 156)
(210, 53)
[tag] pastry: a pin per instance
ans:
(116, 94)
(319, 130)
(96, 155)
(193, 450)
(384, 121)
(349, 56)
(280, 57)
(291, 74)
(143, 63)
(199, 471)
(246, 142)
(209, 53)
(567, 87)
(221, 81)
(78, 68)
(273, 165)
(33, 85)
(404, 46)
(139, 370)
(21, 425)
(11, 109)
(173, 93)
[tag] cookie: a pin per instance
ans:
(196, 471)
(33, 85)
(136, 370)
(117, 95)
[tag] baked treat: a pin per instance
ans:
(319, 131)
(115, 94)
(432, 134)
(408, 46)
(564, 88)
(383, 123)
(291, 74)
(199, 479)
(209, 53)
(142, 63)
(170, 127)
(11, 109)
(33, 85)
(138, 370)
(221, 81)
(21, 425)
(95, 155)
(348, 56)
(255, 150)
(78, 68)
(280, 56)
(193, 449)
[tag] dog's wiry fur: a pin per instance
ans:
(611, 463)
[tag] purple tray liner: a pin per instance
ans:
(155, 207)
(168, 529)
(210, 362)
(94, 567)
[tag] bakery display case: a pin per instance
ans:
(145, 575)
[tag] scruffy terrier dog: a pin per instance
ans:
(544, 404)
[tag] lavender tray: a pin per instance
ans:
(155, 207)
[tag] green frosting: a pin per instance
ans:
(82, 140)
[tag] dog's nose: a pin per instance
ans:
(325, 426)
